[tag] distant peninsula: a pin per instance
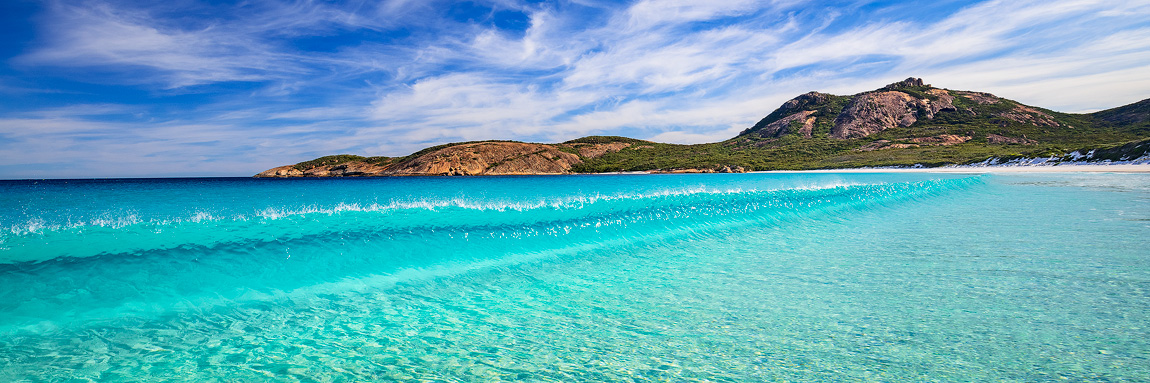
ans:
(908, 123)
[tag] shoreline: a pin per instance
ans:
(1068, 168)
(1122, 168)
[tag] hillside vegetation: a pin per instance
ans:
(903, 124)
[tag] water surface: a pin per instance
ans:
(739, 277)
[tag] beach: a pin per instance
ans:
(1122, 168)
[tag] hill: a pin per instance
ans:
(903, 124)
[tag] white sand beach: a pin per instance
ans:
(1124, 168)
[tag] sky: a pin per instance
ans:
(182, 88)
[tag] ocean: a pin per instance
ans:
(699, 277)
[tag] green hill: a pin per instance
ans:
(903, 124)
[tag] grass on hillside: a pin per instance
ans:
(1107, 131)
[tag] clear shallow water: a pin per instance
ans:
(746, 277)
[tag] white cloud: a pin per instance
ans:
(647, 14)
(101, 36)
(646, 73)
(77, 147)
(675, 71)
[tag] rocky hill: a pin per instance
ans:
(464, 159)
(905, 123)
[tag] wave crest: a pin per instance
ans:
(37, 241)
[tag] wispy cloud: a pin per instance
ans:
(199, 87)
(102, 36)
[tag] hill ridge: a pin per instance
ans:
(904, 123)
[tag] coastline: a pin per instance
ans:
(953, 169)
(1123, 168)
(1065, 168)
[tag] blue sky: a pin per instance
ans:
(142, 88)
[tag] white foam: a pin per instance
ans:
(38, 225)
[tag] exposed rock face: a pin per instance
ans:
(350, 169)
(911, 108)
(683, 171)
(479, 158)
(771, 126)
(901, 146)
(488, 158)
(979, 97)
(721, 169)
(282, 171)
(997, 139)
(879, 144)
(898, 105)
(873, 112)
(942, 139)
(782, 127)
(910, 82)
(885, 144)
(1027, 115)
(803, 100)
(939, 140)
(728, 169)
(943, 102)
(598, 150)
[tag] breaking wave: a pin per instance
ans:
(112, 267)
(37, 241)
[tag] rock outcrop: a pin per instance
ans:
(796, 109)
(488, 158)
(719, 169)
(980, 98)
(350, 169)
(812, 130)
(908, 103)
(939, 140)
(476, 158)
(890, 107)
(910, 82)
(873, 112)
(999, 139)
(282, 171)
(597, 150)
(1027, 115)
(347, 169)
(804, 100)
(942, 139)
(783, 126)
(943, 101)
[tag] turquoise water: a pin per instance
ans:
(739, 277)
